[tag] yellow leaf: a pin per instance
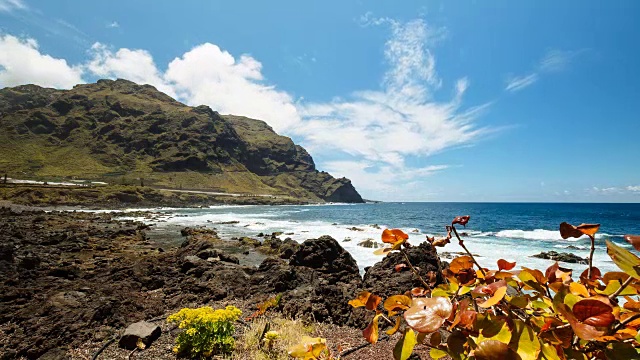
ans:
(404, 346)
(395, 328)
(613, 286)
(525, 341)
(578, 289)
(497, 296)
(397, 302)
(437, 353)
(625, 260)
(549, 352)
(493, 328)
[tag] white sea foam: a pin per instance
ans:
(537, 234)
(491, 246)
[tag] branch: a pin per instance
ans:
(415, 272)
(593, 248)
(467, 250)
(624, 285)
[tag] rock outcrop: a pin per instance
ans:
(564, 257)
(118, 131)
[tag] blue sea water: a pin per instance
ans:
(513, 231)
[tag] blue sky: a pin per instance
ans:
(412, 100)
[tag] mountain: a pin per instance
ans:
(121, 132)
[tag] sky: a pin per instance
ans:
(412, 100)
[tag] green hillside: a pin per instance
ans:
(120, 132)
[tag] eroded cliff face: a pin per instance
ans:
(121, 131)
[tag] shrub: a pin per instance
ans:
(206, 331)
(526, 314)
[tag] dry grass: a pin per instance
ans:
(249, 345)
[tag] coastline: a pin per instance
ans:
(75, 279)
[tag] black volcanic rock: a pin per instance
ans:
(116, 131)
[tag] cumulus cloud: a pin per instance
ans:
(366, 136)
(21, 62)
(135, 65)
(635, 188)
(10, 5)
(209, 75)
(113, 25)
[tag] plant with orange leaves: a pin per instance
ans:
(527, 314)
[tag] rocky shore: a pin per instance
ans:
(68, 278)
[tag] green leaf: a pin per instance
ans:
(571, 300)
(404, 346)
(437, 353)
(613, 286)
(549, 352)
(626, 261)
(493, 328)
(439, 293)
(525, 341)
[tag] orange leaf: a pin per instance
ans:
(497, 296)
(633, 240)
(461, 263)
(371, 332)
(427, 315)
(537, 274)
(505, 265)
(462, 220)
(589, 229)
(489, 289)
(567, 230)
(584, 331)
(495, 350)
(366, 299)
(631, 304)
(418, 292)
(440, 242)
(593, 312)
(595, 274)
(397, 302)
(393, 236)
(557, 274)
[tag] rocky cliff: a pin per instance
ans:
(121, 132)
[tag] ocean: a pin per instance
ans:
(511, 231)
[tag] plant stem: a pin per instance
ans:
(624, 285)
(415, 272)
(467, 250)
(593, 248)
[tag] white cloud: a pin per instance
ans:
(113, 25)
(376, 129)
(554, 60)
(209, 75)
(21, 62)
(633, 188)
(557, 60)
(10, 5)
(383, 180)
(399, 119)
(134, 65)
(520, 82)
